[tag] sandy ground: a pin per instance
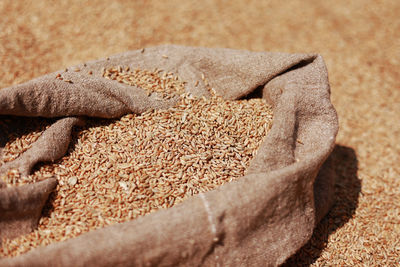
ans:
(360, 41)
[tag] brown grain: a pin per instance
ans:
(363, 41)
(119, 170)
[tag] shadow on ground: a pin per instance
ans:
(347, 190)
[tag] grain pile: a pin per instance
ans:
(167, 84)
(121, 169)
(359, 42)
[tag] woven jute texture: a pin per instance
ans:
(260, 220)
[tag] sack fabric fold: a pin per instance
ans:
(259, 220)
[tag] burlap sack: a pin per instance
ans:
(259, 220)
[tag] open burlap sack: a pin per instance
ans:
(258, 220)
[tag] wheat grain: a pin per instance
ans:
(121, 169)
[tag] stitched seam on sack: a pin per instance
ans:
(209, 214)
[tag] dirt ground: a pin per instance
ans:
(359, 40)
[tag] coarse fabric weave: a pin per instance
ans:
(259, 220)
